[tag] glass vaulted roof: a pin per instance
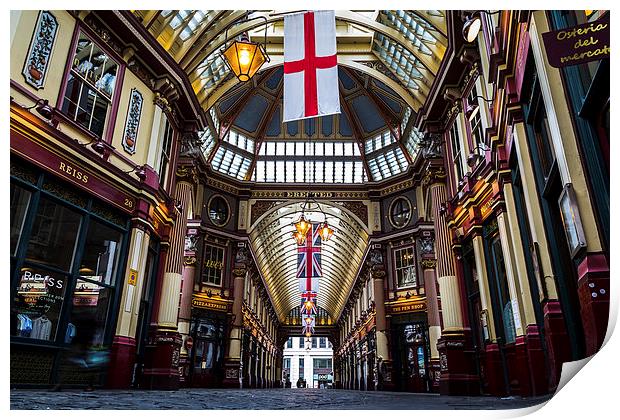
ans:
(387, 62)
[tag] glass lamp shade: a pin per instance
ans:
(472, 27)
(325, 231)
(308, 320)
(303, 226)
(245, 58)
(308, 334)
(308, 304)
(299, 238)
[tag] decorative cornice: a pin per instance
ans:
(222, 186)
(397, 187)
(189, 260)
(187, 173)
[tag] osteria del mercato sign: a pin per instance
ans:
(579, 44)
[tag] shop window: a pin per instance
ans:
(503, 303)
(90, 86)
(53, 237)
(20, 201)
(322, 342)
(313, 342)
(322, 363)
(38, 303)
(301, 367)
(213, 265)
(301, 342)
(405, 267)
(543, 139)
(287, 363)
(166, 148)
(89, 313)
(101, 252)
(289, 343)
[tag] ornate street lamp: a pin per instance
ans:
(473, 25)
(244, 57)
(325, 231)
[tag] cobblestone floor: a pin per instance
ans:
(265, 399)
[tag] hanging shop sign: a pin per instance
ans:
(417, 305)
(32, 151)
(205, 302)
(579, 44)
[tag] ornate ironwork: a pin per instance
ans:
(108, 214)
(24, 173)
(65, 192)
(358, 208)
(38, 58)
(259, 208)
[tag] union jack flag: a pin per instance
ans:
(309, 257)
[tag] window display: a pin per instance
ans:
(405, 267)
(90, 86)
(38, 303)
(20, 200)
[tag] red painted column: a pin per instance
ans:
(593, 289)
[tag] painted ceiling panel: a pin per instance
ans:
(367, 114)
(252, 113)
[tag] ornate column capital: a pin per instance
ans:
(189, 260)
(429, 263)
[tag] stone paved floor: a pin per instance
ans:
(271, 399)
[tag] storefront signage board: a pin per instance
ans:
(579, 44)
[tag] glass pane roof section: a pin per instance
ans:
(310, 162)
(385, 157)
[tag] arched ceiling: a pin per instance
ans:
(403, 49)
(275, 251)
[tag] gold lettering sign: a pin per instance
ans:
(74, 172)
(580, 44)
(209, 304)
(409, 307)
(214, 264)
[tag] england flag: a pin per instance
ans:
(310, 65)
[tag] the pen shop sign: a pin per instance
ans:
(579, 44)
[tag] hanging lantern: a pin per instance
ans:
(308, 320)
(303, 225)
(325, 231)
(299, 238)
(309, 305)
(308, 333)
(245, 58)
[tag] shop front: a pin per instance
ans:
(411, 349)
(208, 332)
(67, 264)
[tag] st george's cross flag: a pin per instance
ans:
(310, 65)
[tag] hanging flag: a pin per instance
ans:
(310, 65)
(309, 260)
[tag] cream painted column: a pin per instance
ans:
(483, 283)
(525, 298)
(509, 264)
(532, 206)
(127, 323)
(448, 282)
(167, 316)
(123, 351)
